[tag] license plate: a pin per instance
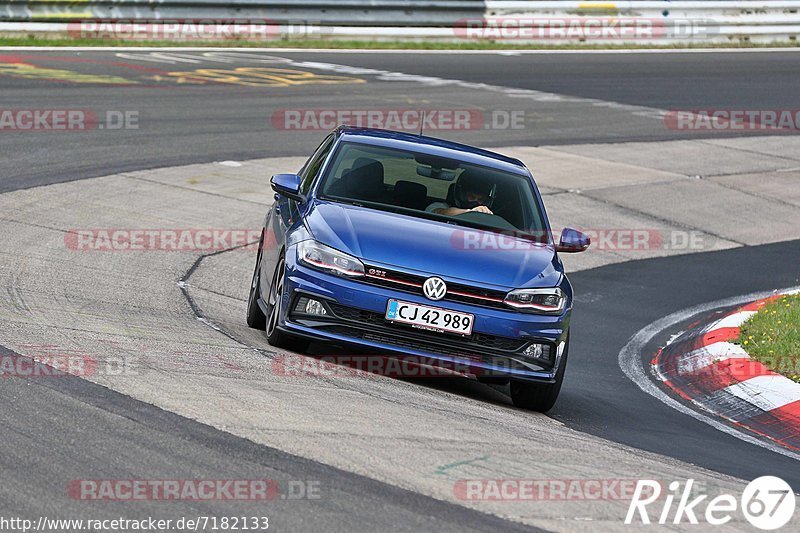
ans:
(430, 318)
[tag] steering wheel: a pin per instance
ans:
(486, 218)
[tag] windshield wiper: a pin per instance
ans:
(371, 205)
(340, 200)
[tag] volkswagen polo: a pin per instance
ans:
(406, 244)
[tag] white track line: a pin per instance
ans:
(397, 51)
(393, 76)
(630, 362)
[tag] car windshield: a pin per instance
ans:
(426, 186)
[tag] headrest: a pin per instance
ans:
(410, 194)
(365, 180)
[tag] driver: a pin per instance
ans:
(471, 193)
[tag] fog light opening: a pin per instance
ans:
(315, 307)
(539, 352)
(309, 306)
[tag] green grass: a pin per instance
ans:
(772, 336)
(37, 40)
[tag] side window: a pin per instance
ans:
(312, 166)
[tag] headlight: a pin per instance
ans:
(319, 256)
(545, 301)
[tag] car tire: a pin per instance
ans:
(255, 316)
(540, 396)
(275, 336)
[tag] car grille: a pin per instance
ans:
(405, 342)
(477, 342)
(455, 292)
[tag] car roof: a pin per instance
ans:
(432, 146)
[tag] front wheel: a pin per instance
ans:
(540, 396)
(275, 336)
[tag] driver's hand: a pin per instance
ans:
(482, 209)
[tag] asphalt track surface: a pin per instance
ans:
(182, 123)
(73, 425)
(599, 399)
(62, 428)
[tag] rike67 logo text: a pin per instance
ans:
(767, 503)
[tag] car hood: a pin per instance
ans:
(432, 247)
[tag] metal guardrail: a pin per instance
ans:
(518, 21)
(326, 12)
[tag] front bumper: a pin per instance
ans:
(495, 349)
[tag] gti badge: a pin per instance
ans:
(434, 288)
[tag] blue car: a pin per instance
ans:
(410, 245)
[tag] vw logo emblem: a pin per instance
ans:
(434, 288)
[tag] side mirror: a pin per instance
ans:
(288, 185)
(572, 241)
